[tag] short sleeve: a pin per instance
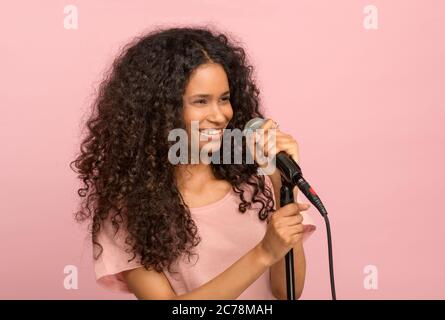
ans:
(114, 259)
(309, 226)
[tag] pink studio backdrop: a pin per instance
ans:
(365, 105)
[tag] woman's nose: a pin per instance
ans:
(216, 113)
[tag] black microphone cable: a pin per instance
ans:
(312, 196)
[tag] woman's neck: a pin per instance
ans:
(193, 177)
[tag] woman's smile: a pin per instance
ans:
(211, 133)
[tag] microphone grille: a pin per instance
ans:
(254, 123)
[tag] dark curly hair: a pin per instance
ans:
(123, 160)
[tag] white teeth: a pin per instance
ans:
(211, 131)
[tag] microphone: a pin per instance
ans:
(290, 170)
(291, 176)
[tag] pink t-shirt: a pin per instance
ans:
(226, 235)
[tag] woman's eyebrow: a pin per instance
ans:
(207, 95)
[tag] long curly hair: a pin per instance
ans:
(123, 161)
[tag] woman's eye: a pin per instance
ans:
(203, 101)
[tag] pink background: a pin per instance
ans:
(365, 105)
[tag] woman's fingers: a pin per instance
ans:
(269, 123)
(296, 217)
(296, 229)
(292, 220)
(265, 137)
(303, 206)
(270, 141)
(273, 140)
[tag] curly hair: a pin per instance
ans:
(123, 161)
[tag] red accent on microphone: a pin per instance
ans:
(312, 191)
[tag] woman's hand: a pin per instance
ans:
(271, 141)
(284, 231)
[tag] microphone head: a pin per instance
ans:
(254, 124)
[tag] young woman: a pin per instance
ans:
(184, 231)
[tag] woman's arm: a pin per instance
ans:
(278, 270)
(278, 275)
(228, 285)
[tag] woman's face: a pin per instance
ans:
(207, 101)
